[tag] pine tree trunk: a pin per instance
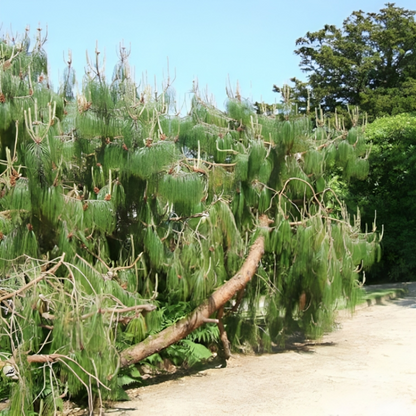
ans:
(178, 331)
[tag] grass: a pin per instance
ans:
(378, 295)
(374, 295)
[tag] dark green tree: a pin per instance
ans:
(370, 62)
(389, 190)
(129, 232)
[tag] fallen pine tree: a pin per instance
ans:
(201, 315)
(130, 234)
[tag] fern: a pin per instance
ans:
(195, 352)
(206, 334)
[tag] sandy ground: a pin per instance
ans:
(365, 368)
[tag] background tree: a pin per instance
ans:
(390, 192)
(370, 62)
(124, 227)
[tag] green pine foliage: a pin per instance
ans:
(139, 206)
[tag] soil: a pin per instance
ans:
(366, 367)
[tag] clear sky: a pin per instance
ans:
(249, 41)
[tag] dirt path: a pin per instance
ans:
(366, 368)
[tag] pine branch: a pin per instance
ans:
(211, 163)
(147, 308)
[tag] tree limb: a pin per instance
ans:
(155, 343)
(223, 333)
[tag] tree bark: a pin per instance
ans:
(155, 343)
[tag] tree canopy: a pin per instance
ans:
(370, 62)
(389, 190)
(123, 227)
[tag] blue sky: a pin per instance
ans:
(251, 42)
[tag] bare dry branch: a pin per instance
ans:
(37, 280)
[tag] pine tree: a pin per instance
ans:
(123, 224)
